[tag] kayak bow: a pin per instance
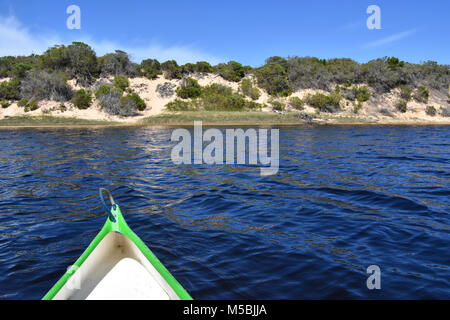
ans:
(117, 265)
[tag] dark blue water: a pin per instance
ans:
(345, 198)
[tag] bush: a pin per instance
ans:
(102, 89)
(83, 62)
(297, 103)
(430, 110)
(421, 94)
(166, 89)
(5, 103)
(23, 102)
(189, 89)
(401, 105)
(445, 112)
(118, 63)
(121, 82)
(232, 71)
(171, 70)
(273, 78)
(82, 99)
(324, 103)
(151, 68)
(10, 90)
(357, 107)
(361, 93)
(277, 105)
(32, 105)
(136, 99)
(248, 90)
(178, 105)
(44, 85)
(405, 92)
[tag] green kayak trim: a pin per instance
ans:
(116, 223)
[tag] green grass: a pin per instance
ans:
(222, 118)
(24, 121)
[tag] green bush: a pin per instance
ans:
(405, 92)
(102, 89)
(189, 89)
(32, 105)
(421, 94)
(249, 90)
(430, 110)
(82, 99)
(232, 71)
(277, 105)
(171, 69)
(401, 105)
(10, 90)
(361, 93)
(5, 103)
(324, 103)
(121, 82)
(136, 99)
(44, 85)
(151, 68)
(118, 63)
(22, 102)
(273, 78)
(178, 105)
(297, 103)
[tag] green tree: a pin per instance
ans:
(151, 68)
(189, 89)
(82, 99)
(121, 82)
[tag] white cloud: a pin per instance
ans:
(16, 39)
(390, 39)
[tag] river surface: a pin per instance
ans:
(345, 198)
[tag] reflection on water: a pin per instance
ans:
(345, 198)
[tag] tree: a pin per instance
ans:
(232, 71)
(151, 68)
(82, 99)
(83, 62)
(273, 78)
(118, 63)
(189, 89)
(171, 69)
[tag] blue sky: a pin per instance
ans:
(246, 31)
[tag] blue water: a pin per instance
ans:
(345, 198)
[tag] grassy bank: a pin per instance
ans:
(223, 118)
(49, 121)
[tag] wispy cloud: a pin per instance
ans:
(390, 39)
(16, 39)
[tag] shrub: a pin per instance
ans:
(401, 105)
(445, 112)
(277, 105)
(178, 105)
(151, 68)
(171, 69)
(324, 103)
(10, 90)
(248, 90)
(44, 85)
(23, 102)
(203, 67)
(297, 103)
(121, 82)
(430, 110)
(5, 103)
(102, 89)
(83, 62)
(361, 93)
(166, 89)
(273, 78)
(118, 63)
(421, 94)
(82, 99)
(357, 107)
(405, 92)
(136, 99)
(189, 89)
(232, 71)
(32, 105)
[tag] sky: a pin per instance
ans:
(247, 31)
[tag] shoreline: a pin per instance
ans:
(183, 119)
